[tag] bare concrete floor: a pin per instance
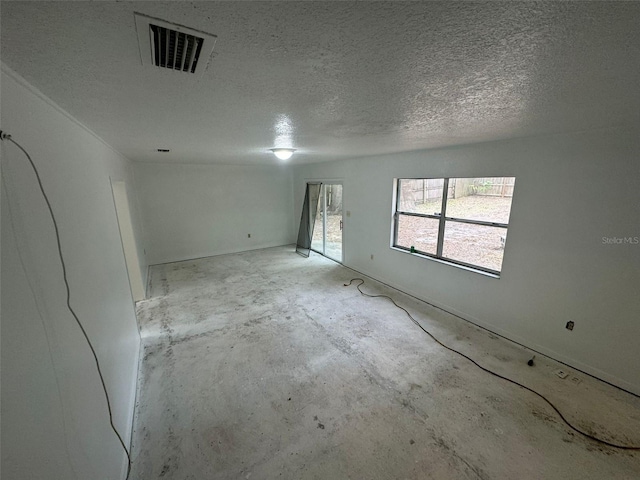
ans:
(263, 365)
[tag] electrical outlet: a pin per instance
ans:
(575, 380)
(570, 325)
(248, 235)
(372, 256)
(561, 373)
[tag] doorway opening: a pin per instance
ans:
(129, 246)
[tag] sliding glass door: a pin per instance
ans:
(327, 231)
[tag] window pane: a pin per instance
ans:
(421, 195)
(474, 244)
(418, 232)
(486, 199)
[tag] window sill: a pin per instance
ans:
(447, 262)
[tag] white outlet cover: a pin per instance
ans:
(561, 373)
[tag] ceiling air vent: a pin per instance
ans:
(171, 46)
(173, 49)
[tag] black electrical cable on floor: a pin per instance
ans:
(5, 136)
(576, 429)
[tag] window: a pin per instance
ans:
(463, 221)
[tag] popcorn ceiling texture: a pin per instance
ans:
(349, 78)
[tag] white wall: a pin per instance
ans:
(571, 190)
(54, 416)
(192, 211)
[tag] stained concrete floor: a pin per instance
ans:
(263, 365)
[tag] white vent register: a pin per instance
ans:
(175, 47)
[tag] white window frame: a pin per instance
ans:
(442, 218)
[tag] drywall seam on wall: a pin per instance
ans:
(15, 228)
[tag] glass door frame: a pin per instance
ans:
(324, 218)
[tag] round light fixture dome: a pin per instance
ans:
(283, 153)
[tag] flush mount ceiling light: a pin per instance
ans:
(283, 153)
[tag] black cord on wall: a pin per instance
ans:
(6, 136)
(569, 424)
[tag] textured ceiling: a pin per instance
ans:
(332, 79)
